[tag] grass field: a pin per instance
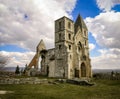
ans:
(104, 89)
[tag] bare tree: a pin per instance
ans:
(3, 61)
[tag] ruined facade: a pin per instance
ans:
(70, 57)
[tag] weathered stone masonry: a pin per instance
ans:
(70, 57)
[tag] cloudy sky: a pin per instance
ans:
(23, 23)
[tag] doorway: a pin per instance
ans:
(47, 70)
(83, 70)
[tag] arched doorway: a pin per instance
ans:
(83, 70)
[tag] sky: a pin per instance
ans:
(23, 23)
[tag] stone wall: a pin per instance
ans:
(6, 74)
(32, 80)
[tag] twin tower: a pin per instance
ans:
(70, 57)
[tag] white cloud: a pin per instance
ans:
(107, 5)
(17, 58)
(109, 59)
(25, 22)
(91, 46)
(105, 29)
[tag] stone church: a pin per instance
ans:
(70, 57)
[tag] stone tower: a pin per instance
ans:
(64, 33)
(71, 48)
(82, 65)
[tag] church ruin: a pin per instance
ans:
(70, 57)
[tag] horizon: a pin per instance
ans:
(24, 23)
(12, 69)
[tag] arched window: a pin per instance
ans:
(69, 36)
(69, 25)
(69, 47)
(79, 46)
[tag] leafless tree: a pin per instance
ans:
(3, 61)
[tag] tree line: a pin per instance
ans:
(20, 71)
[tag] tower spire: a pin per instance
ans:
(79, 23)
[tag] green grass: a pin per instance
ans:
(104, 89)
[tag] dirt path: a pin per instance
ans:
(5, 92)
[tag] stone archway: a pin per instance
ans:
(83, 70)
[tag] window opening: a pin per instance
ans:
(69, 47)
(59, 46)
(69, 36)
(60, 25)
(85, 42)
(69, 25)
